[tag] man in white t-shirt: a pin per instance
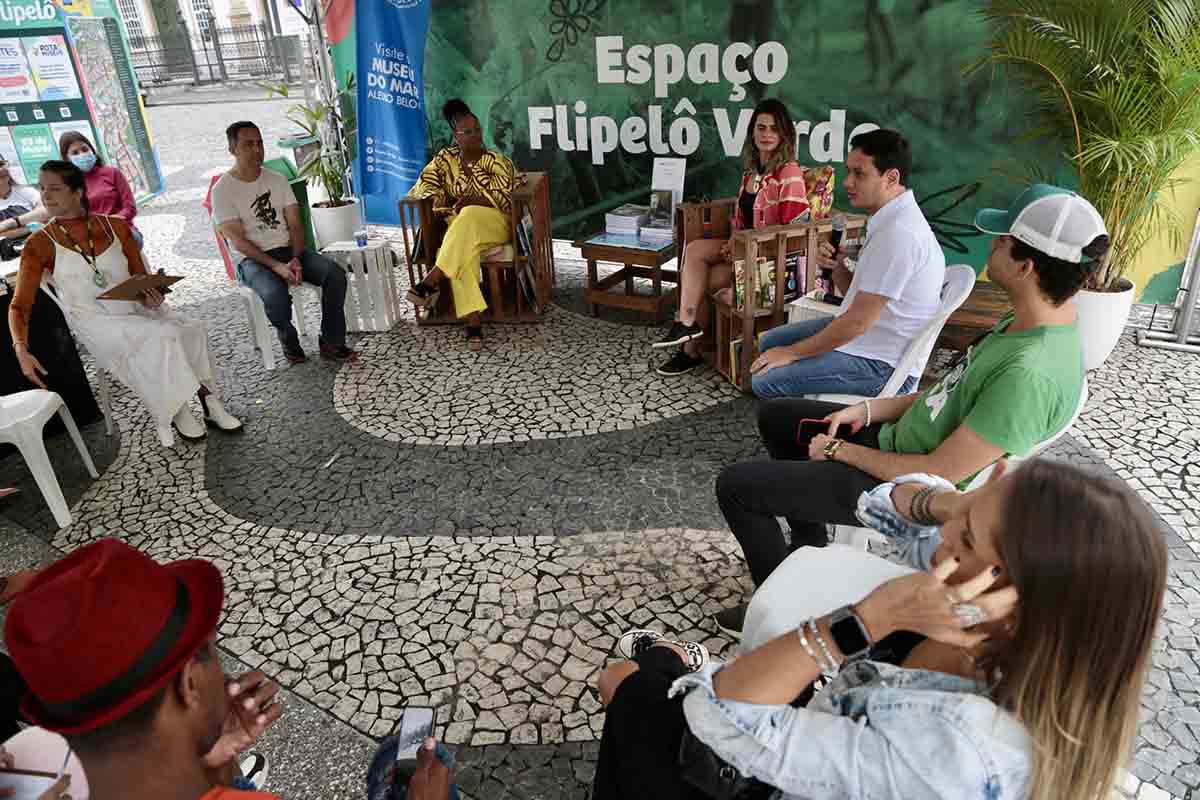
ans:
(257, 213)
(893, 293)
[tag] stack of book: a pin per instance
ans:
(658, 232)
(626, 220)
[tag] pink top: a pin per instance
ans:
(108, 193)
(782, 198)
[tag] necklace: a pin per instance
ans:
(98, 277)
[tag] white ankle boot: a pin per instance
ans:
(216, 415)
(187, 426)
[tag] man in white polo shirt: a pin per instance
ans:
(894, 291)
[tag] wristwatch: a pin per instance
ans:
(831, 448)
(849, 633)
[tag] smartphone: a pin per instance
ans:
(811, 427)
(416, 725)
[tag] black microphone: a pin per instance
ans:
(839, 228)
(835, 239)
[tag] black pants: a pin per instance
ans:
(639, 749)
(809, 494)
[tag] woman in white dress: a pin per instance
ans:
(161, 356)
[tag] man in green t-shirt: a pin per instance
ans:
(1016, 387)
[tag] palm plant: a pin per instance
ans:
(1118, 82)
(332, 120)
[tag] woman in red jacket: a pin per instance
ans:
(108, 192)
(772, 193)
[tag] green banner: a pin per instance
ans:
(592, 90)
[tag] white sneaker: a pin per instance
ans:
(255, 768)
(635, 642)
(187, 426)
(217, 417)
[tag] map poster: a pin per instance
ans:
(50, 64)
(35, 146)
(16, 85)
(115, 104)
(8, 152)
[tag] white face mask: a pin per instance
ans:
(85, 161)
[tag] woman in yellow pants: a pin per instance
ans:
(472, 187)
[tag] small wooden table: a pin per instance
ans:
(640, 260)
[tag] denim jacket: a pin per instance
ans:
(877, 731)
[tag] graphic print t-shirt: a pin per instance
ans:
(1013, 389)
(258, 204)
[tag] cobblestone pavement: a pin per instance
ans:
(431, 526)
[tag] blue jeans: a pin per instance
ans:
(829, 373)
(316, 269)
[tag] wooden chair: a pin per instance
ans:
(504, 268)
(737, 322)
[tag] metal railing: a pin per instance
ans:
(218, 54)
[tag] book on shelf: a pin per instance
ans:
(735, 358)
(764, 283)
(527, 271)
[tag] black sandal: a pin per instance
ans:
(475, 337)
(423, 295)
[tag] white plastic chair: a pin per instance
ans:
(260, 326)
(860, 537)
(22, 418)
(956, 288)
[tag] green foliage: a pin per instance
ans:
(333, 121)
(1118, 83)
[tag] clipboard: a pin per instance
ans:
(134, 286)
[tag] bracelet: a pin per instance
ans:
(808, 649)
(920, 506)
(816, 632)
(867, 405)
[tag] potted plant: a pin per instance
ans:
(331, 122)
(1118, 82)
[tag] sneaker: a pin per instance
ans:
(338, 353)
(423, 295)
(732, 620)
(254, 769)
(679, 334)
(634, 643)
(679, 363)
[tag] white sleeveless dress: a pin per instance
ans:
(162, 356)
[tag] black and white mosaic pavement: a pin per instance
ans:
(473, 531)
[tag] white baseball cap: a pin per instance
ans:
(1050, 219)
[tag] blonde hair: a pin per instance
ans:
(785, 152)
(1089, 563)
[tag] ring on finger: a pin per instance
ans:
(968, 614)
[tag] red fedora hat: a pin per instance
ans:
(96, 634)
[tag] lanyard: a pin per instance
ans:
(99, 277)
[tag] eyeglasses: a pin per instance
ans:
(468, 132)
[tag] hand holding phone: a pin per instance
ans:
(416, 725)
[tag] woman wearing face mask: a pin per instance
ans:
(160, 355)
(107, 190)
(1031, 618)
(772, 193)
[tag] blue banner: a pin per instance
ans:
(391, 104)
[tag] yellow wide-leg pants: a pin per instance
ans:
(473, 232)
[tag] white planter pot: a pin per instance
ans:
(1102, 318)
(336, 224)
